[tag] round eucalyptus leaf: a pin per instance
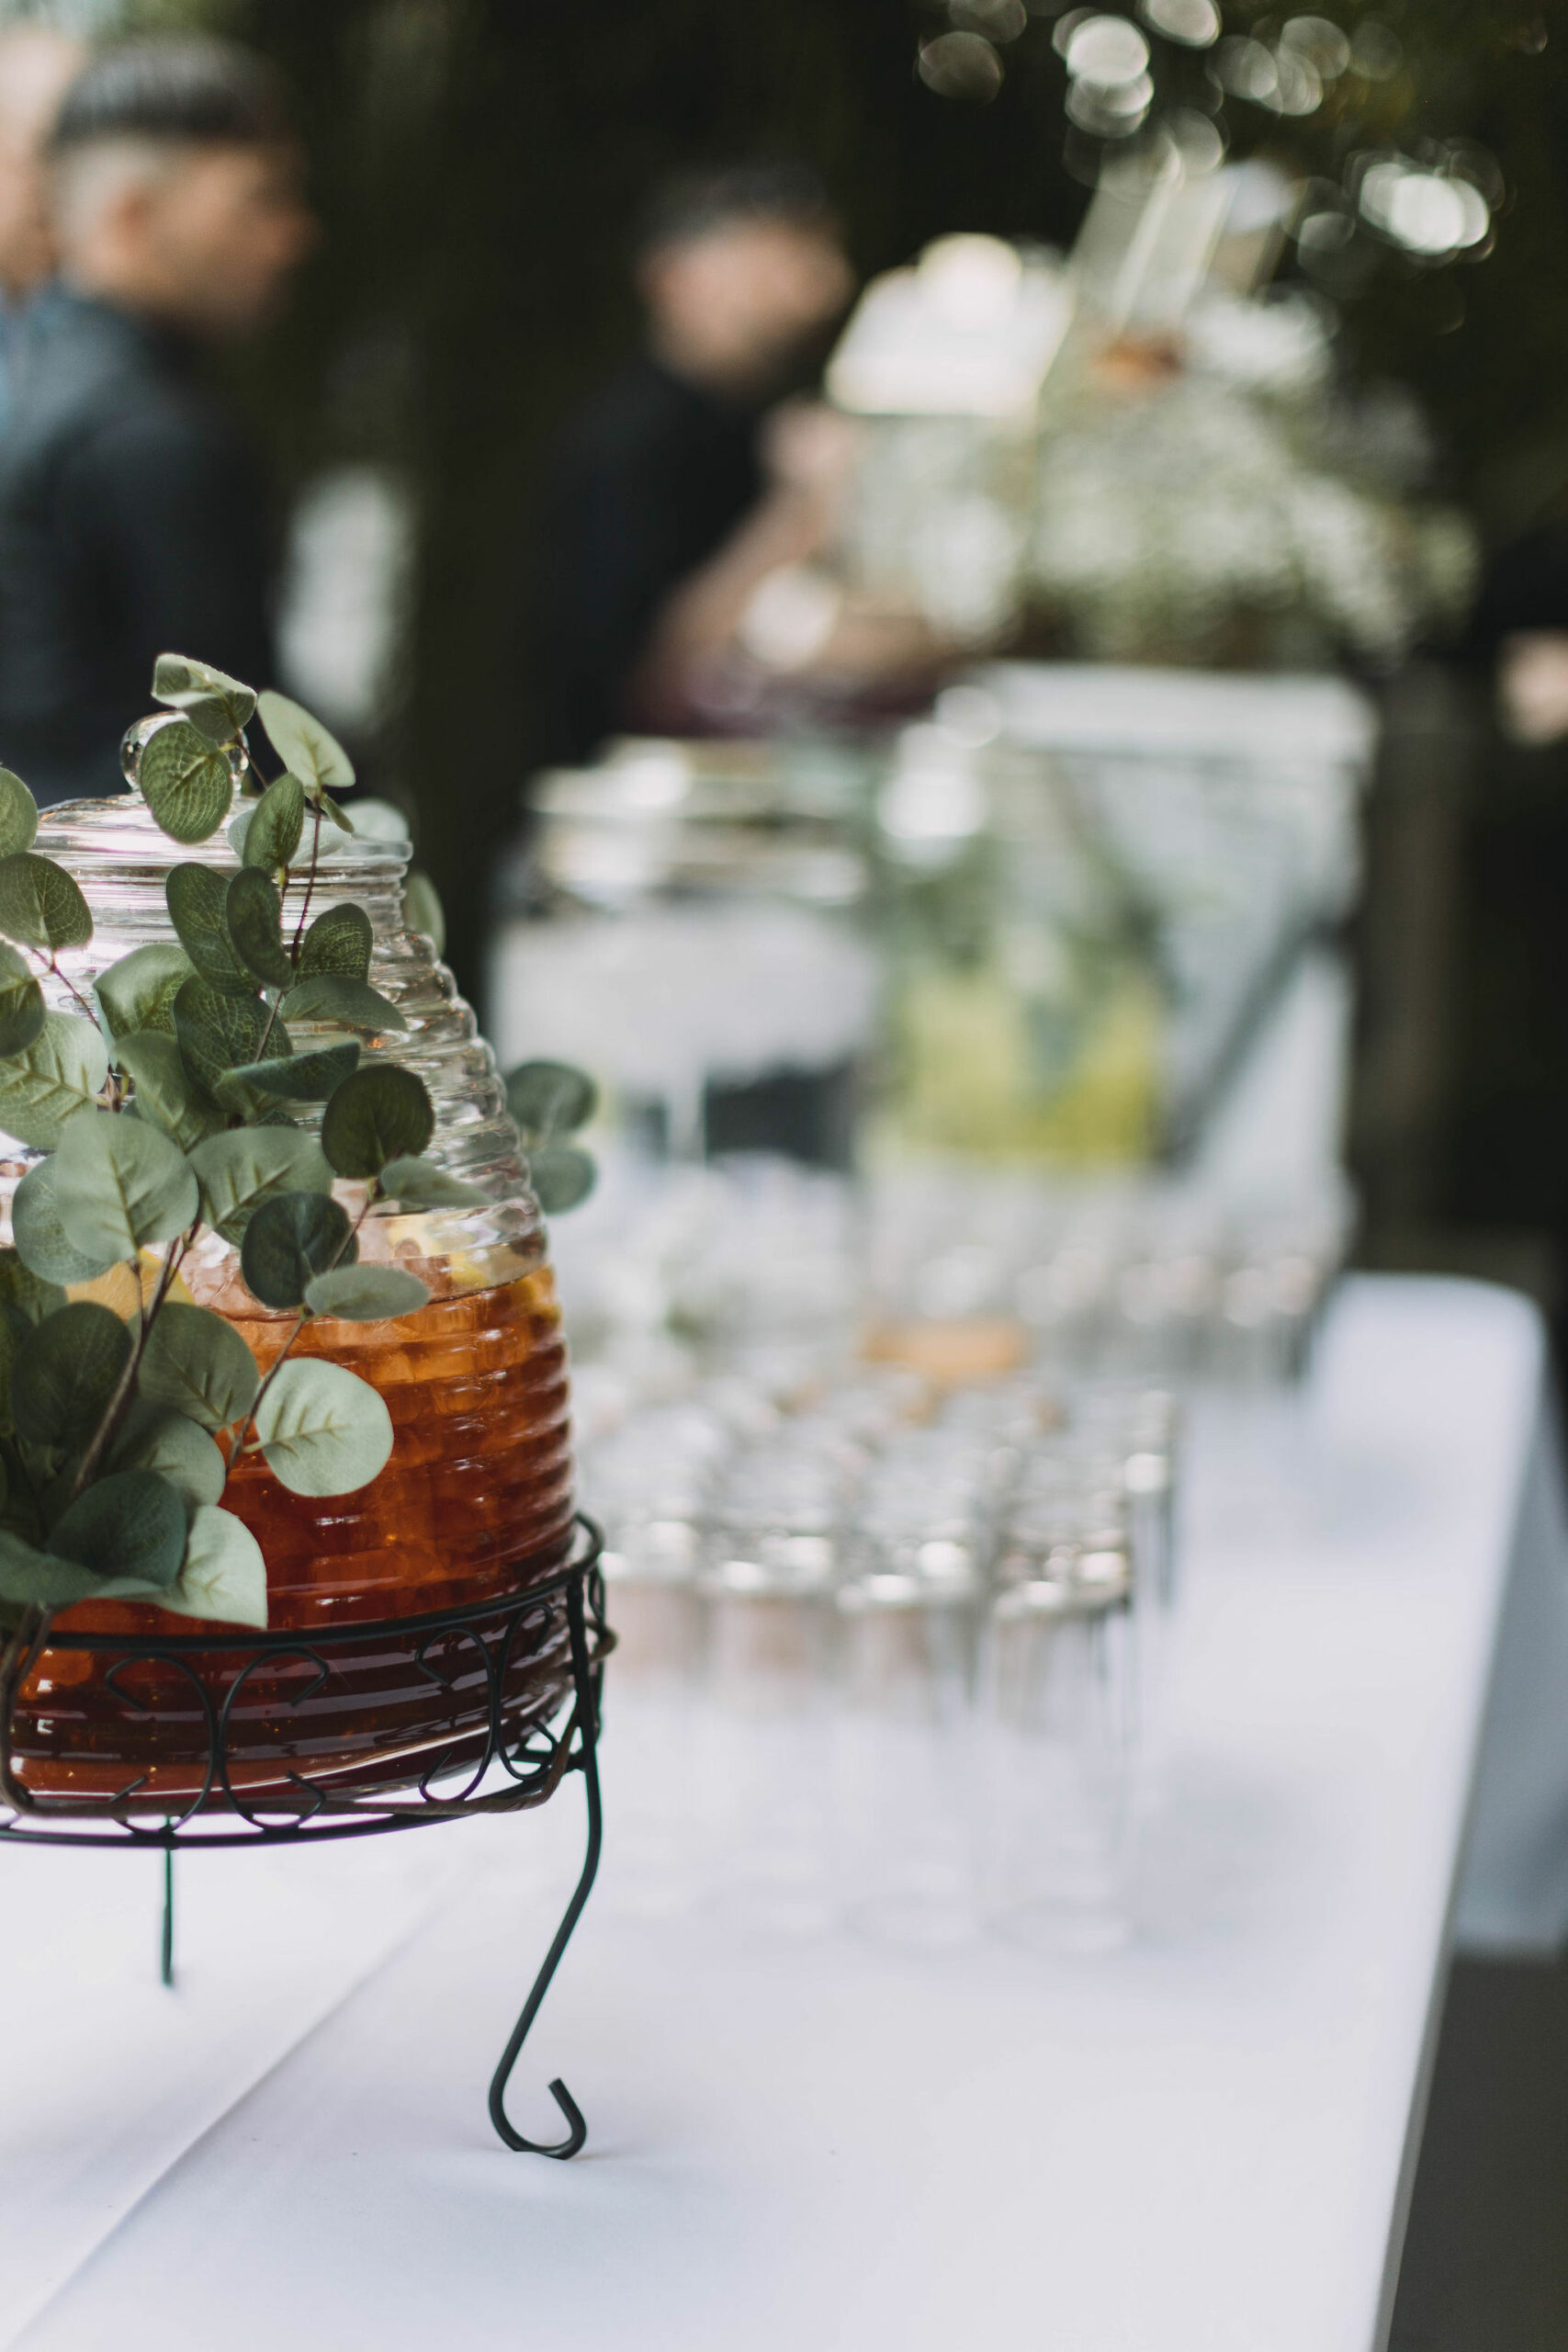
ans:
(224, 1576)
(179, 1449)
(239, 1170)
(18, 815)
(198, 897)
(166, 1095)
(380, 1113)
(303, 1077)
(32, 1296)
(65, 1374)
(121, 1185)
(236, 832)
(290, 1239)
(21, 1003)
(323, 1431)
(41, 904)
(41, 1241)
(562, 1176)
(195, 1362)
(330, 996)
(422, 910)
(253, 916)
(337, 942)
(139, 991)
(419, 1184)
(131, 1523)
(217, 706)
(186, 782)
(218, 1032)
(55, 1079)
(274, 827)
(31, 1579)
(550, 1099)
(303, 744)
(366, 1294)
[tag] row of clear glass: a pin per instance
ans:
(907, 1669)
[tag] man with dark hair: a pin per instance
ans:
(133, 516)
(675, 495)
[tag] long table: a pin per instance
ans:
(1204, 2140)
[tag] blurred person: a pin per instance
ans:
(36, 67)
(684, 510)
(133, 513)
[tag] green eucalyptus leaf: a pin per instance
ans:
(32, 1294)
(65, 1374)
(422, 910)
(41, 1241)
(185, 781)
(239, 1170)
(323, 1431)
(549, 1099)
(198, 897)
(273, 826)
(58, 1076)
(41, 904)
(303, 1077)
(178, 1448)
(121, 1185)
(338, 943)
(195, 1363)
(289, 1239)
(419, 1184)
(253, 916)
(18, 815)
(139, 991)
(366, 1294)
(31, 1579)
(14, 1329)
(330, 995)
(224, 1576)
(22, 1002)
(562, 1176)
(380, 1114)
(131, 1524)
(218, 1032)
(237, 832)
(303, 744)
(166, 1095)
(340, 817)
(217, 706)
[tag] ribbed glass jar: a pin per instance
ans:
(476, 1501)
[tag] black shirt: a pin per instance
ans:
(132, 522)
(649, 483)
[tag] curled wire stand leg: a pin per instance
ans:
(586, 1760)
(511, 1744)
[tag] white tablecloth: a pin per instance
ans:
(1202, 2141)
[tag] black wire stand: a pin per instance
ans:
(512, 1761)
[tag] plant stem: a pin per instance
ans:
(310, 885)
(124, 1387)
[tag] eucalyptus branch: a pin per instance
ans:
(310, 885)
(52, 965)
(124, 1389)
(247, 1426)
